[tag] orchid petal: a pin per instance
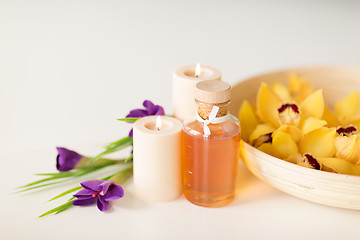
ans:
(248, 120)
(299, 88)
(313, 105)
(261, 129)
(284, 144)
(348, 106)
(267, 148)
(340, 166)
(267, 103)
(311, 123)
(282, 91)
(348, 148)
(293, 131)
(294, 158)
(330, 118)
(319, 143)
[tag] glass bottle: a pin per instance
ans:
(210, 148)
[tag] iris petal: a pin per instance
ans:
(84, 202)
(84, 192)
(102, 204)
(105, 186)
(148, 105)
(158, 110)
(92, 184)
(66, 159)
(115, 192)
(137, 113)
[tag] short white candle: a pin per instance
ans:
(157, 158)
(184, 82)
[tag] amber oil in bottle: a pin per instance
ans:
(211, 153)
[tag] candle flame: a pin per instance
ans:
(197, 70)
(158, 123)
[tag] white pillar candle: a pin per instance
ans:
(157, 158)
(184, 82)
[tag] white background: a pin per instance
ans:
(69, 69)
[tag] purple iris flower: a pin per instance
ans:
(66, 159)
(150, 109)
(98, 191)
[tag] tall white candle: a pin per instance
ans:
(157, 158)
(184, 82)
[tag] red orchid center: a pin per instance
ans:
(95, 194)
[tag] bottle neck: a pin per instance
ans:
(204, 109)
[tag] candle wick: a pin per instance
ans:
(157, 128)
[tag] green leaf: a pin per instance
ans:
(62, 175)
(66, 192)
(113, 147)
(119, 143)
(130, 120)
(60, 208)
(39, 181)
(129, 158)
(39, 186)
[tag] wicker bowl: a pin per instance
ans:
(337, 190)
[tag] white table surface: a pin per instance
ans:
(69, 69)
